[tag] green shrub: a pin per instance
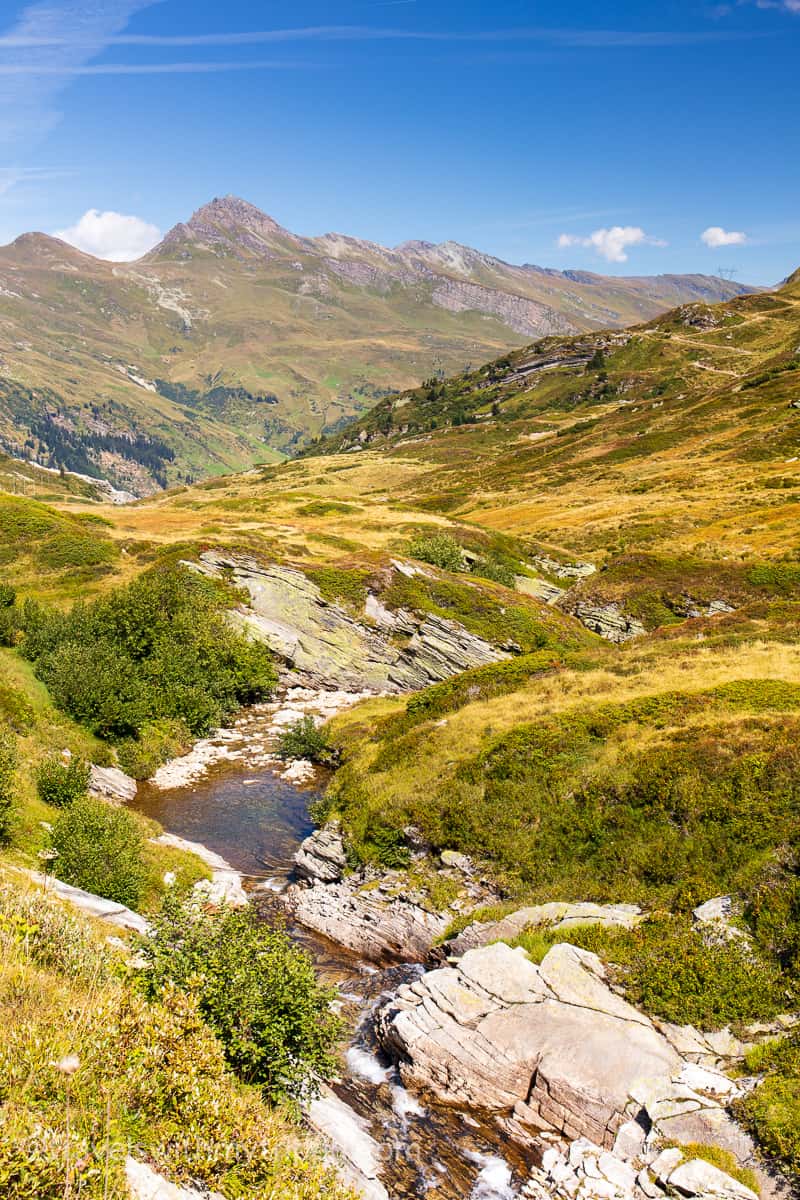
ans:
(495, 570)
(158, 741)
(439, 549)
(671, 972)
(772, 913)
(304, 739)
(386, 846)
(100, 849)
(76, 550)
(337, 584)
(256, 990)
(59, 782)
(8, 776)
(772, 1111)
(9, 617)
(159, 647)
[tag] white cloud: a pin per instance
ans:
(111, 235)
(716, 236)
(611, 244)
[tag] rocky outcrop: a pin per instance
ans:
(588, 1172)
(555, 915)
(607, 620)
(521, 314)
(557, 1048)
(146, 1184)
(542, 589)
(328, 647)
(112, 784)
(321, 857)
(362, 917)
(573, 571)
(94, 906)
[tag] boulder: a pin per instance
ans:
(714, 919)
(112, 784)
(380, 928)
(556, 915)
(555, 1045)
(146, 1184)
(321, 857)
(700, 1178)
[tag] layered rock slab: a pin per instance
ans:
(552, 1043)
(327, 646)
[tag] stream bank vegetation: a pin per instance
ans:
(93, 1070)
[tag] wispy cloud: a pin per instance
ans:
(576, 38)
(11, 177)
(50, 42)
(172, 68)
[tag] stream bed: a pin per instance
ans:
(242, 809)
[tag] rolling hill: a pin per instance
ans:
(235, 340)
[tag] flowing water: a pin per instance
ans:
(256, 820)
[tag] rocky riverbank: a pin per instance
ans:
(553, 1053)
(381, 915)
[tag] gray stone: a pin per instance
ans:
(328, 647)
(112, 784)
(575, 570)
(714, 919)
(700, 1178)
(607, 620)
(665, 1163)
(373, 925)
(556, 914)
(146, 1184)
(322, 856)
(87, 902)
(451, 858)
(542, 589)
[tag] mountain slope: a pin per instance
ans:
(234, 338)
(682, 431)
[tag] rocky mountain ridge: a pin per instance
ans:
(235, 340)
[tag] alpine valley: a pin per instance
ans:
(234, 341)
(441, 784)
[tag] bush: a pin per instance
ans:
(772, 1111)
(256, 990)
(158, 741)
(304, 739)
(495, 570)
(671, 972)
(8, 775)
(59, 782)
(101, 849)
(9, 618)
(159, 647)
(439, 549)
(152, 1079)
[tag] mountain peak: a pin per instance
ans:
(39, 247)
(235, 213)
(228, 224)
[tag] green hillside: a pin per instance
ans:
(235, 340)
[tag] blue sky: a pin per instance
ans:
(581, 135)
